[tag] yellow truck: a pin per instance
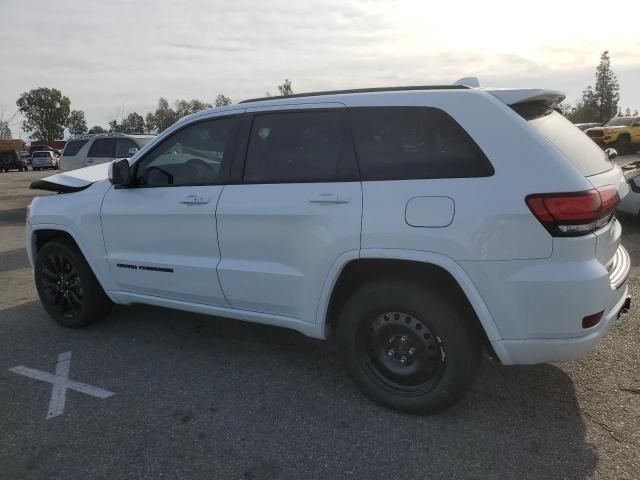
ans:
(621, 133)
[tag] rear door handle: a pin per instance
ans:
(330, 198)
(194, 200)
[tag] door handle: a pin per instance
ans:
(89, 160)
(194, 200)
(330, 198)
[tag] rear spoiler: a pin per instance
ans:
(513, 96)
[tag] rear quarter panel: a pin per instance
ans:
(491, 221)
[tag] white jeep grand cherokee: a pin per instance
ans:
(420, 223)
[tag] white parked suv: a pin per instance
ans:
(45, 159)
(417, 223)
(87, 150)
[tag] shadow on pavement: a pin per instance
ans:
(12, 217)
(13, 260)
(203, 397)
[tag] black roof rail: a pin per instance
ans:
(359, 90)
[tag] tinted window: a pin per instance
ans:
(73, 147)
(585, 155)
(103, 147)
(414, 142)
(41, 155)
(192, 156)
(122, 147)
(299, 147)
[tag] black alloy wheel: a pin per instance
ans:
(62, 285)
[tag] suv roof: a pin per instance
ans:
(359, 90)
(86, 136)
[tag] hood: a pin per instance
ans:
(74, 180)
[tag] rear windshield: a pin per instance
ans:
(585, 155)
(41, 154)
(73, 147)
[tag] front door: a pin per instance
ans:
(296, 210)
(160, 234)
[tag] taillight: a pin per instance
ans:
(575, 213)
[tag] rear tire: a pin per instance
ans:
(68, 289)
(408, 347)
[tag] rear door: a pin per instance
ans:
(296, 209)
(103, 150)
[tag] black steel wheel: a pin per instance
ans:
(68, 289)
(402, 353)
(408, 346)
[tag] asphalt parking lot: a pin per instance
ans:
(199, 397)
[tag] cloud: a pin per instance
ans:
(122, 56)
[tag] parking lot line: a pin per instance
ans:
(61, 383)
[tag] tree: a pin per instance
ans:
(285, 89)
(187, 107)
(586, 109)
(5, 131)
(222, 100)
(606, 89)
(76, 122)
(97, 129)
(133, 124)
(163, 117)
(46, 111)
(150, 123)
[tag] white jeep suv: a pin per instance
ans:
(418, 223)
(87, 150)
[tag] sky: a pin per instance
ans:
(114, 57)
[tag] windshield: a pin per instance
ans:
(619, 122)
(585, 155)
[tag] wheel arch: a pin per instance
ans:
(446, 271)
(43, 233)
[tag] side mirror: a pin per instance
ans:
(120, 172)
(133, 151)
(611, 153)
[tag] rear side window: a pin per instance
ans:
(585, 155)
(122, 147)
(103, 147)
(395, 143)
(310, 146)
(73, 147)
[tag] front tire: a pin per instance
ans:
(407, 346)
(68, 289)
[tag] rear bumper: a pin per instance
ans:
(538, 305)
(561, 349)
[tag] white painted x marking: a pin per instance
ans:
(61, 384)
